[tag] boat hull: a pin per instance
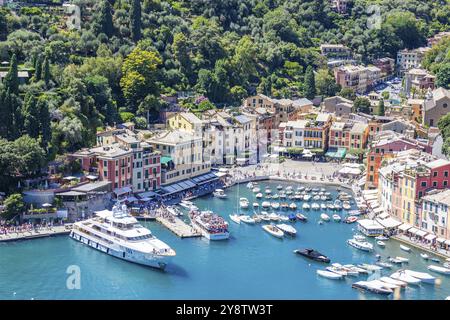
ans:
(149, 260)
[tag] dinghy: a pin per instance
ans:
(350, 219)
(336, 218)
(256, 190)
(275, 205)
(381, 244)
(273, 230)
(219, 193)
(424, 256)
(405, 248)
(306, 206)
(255, 205)
(259, 195)
(293, 206)
(324, 217)
(265, 204)
(274, 217)
(247, 219)
(235, 218)
(381, 238)
(301, 217)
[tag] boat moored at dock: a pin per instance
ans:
(209, 224)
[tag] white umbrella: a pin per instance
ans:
(46, 205)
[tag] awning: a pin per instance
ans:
(440, 240)
(413, 230)
(380, 211)
(178, 186)
(421, 233)
(205, 178)
(147, 194)
(389, 222)
(165, 160)
(221, 174)
(131, 199)
(447, 242)
(338, 153)
(70, 194)
(430, 237)
(405, 227)
(121, 191)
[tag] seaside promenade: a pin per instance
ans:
(33, 233)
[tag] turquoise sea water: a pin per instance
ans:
(250, 265)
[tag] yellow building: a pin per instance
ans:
(186, 121)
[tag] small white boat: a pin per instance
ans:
(424, 256)
(259, 195)
(273, 230)
(288, 229)
(274, 217)
(394, 281)
(306, 197)
(235, 218)
(283, 218)
(329, 275)
(316, 198)
(275, 205)
(375, 287)
(279, 187)
(306, 206)
(257, 217)
(402, 276)
(268, 191)
(359, 237)
(422, 276)
(250, 185)
(381, 238)
(265, 216)
(255, 205)
(399, 260)
(336, 218)
(381, 244)
(324, 217)
(370, 267)
(351, 271)
(323, 206)
(384, 265)
(355, 268)
(315, 206)
(439, 269)
(378, 282)
(219, 193)
(247, 219)
(337, 270)
(256, 190)
(293, 206)
(346, 206)
(265, 204)
(405, 248)
(275, 196)
(361, 245)
(243, 202)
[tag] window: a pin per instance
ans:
(434, 183)
(423, 184)
(446, 174)
(444, 105)
(445, 183)
(435, 174)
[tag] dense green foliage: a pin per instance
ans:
(129, 52)
(444, 126)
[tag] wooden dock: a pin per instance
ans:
(177, 226)
(28, 235)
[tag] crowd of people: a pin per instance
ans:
(24, 228)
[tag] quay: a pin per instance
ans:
(177, 226)
(439, 252)
(27, 235)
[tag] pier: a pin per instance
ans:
(177, 226)
(33, 234)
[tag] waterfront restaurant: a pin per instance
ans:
(370, 228)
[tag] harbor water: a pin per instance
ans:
(250, 265)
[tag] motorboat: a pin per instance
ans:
(372, 287)
(247, 219)
(275, 205)
(434, 259)
(323, 198)
(422, 276)
(259, 195)
(316, 198)
(359, 237)
(337, 270)
(315, 189)
(282, 196)
(293, 206)
(174, 211)
(275, 196)
(330, 206)
(265, 204)
(306, 206)
(308, 189)
(257, 217)
(361, 245)
(402, 276)
(313, 255)
(283, 218)
(299, 188)
(219, 193)
(250, 185)
(292, 217)
(381, 238)
(235, 218)
(301, 217)
(255, 205)
(384, 284)
(274, 217)
(323, 206)
(324, 217)
(256, 190)
(284, 205)
(355, 268)
(381, 244)
(287, 229)
(405, 248)
(268, 191)
(306, 197)
(336, 218)
(350, 219)
(424, 256)
(351, 271)
(439, 269)
(346, 205)
(298, 197)
(385, 265)
(265, 216)
(370, 267)
(315, 206)
(398, 260)
(329, 274)
(243, 203)
(399, 283)
(279, 187)
(273, 230)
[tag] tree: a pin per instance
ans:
(140, 73)
(11, 81)
(380, 109)
(326, 84)
(104, 18)
(38, 69)
(30, 115)
(135, 20)
(348, 93)
(14, 206)
(361, 104)
(3, 25)
(310, 83)
(46, 72)
(443, 76)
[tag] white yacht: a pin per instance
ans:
(119, 234)
(219, 193)
(243, 202)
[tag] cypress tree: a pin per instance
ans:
(381, 110)
(30, 116)
(44, 122)
(46, 72)
(38, 69)
(105, 18)
(135, 20)
(310, 83)
(12, 78)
